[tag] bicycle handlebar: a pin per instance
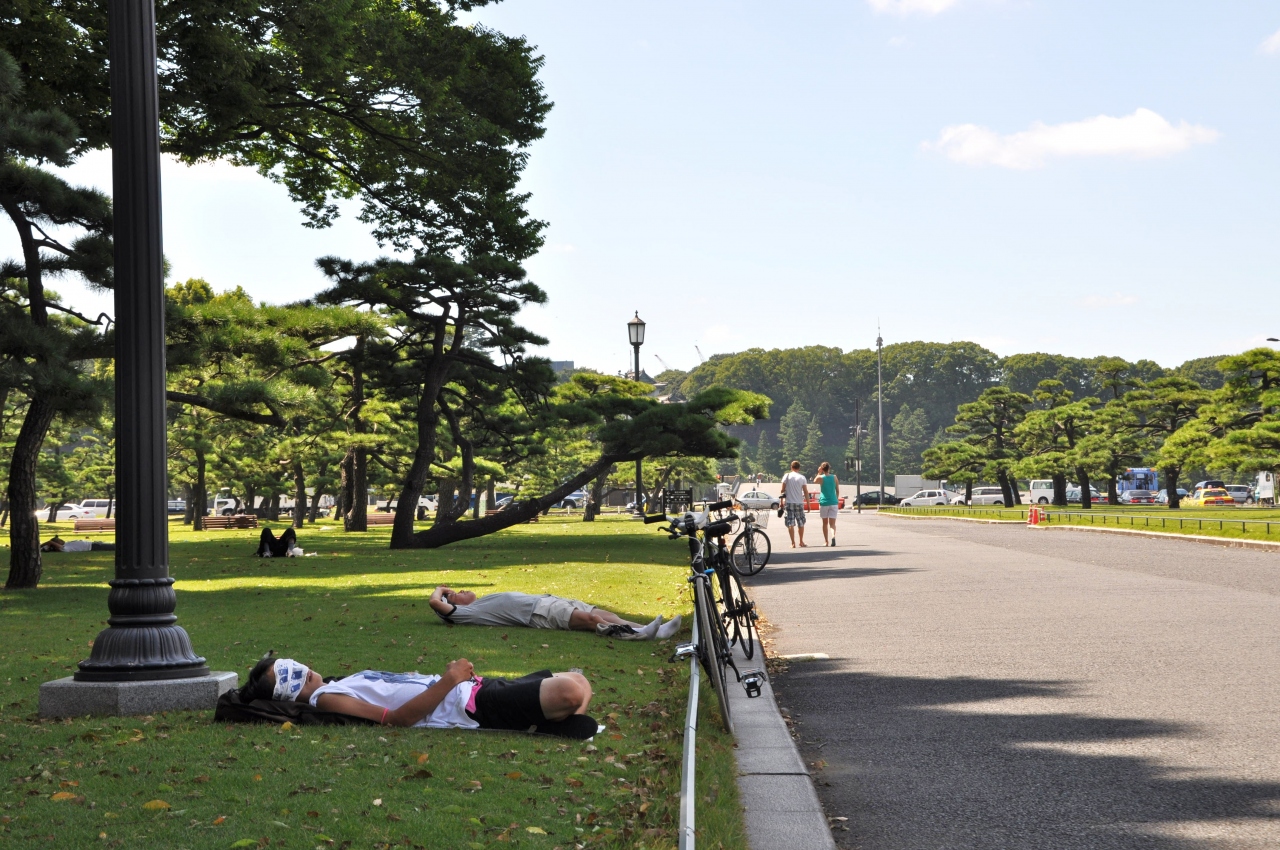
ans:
(720, 506)
(650, 520)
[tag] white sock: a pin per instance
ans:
(669, 628)
(652, 629)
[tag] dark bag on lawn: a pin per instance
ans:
(232, 709)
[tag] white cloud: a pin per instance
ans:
(898, 41)
(1271, 45)
(909, 7)
(1103, 302)
(1142, 134)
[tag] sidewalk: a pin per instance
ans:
(782, 808)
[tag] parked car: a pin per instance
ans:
(811, 503)
(872, 497)
(1210, 496)
(1162, 498)
(758, 500)
(67, 512)
(576, 499)
(1137, 497)
(1242, 493)
(1207, 485)
(98, 506)
(927, 497)
(1073, 495)
(987, 496)
(177, 506)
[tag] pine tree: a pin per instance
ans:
(813, 452)
(766, 457)
(792, 430)
(908, 438)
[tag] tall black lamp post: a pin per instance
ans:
(143, 641)
(635, 332)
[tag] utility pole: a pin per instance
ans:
(857, 454)
(880, 407)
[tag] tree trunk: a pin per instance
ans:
(1060, 490)
(1171, 487)
(475, 509)
(273, 508)
(1113, 493)
(443, 534)
(25, 566)
(1086, 491)
(299, 494)
(111, 501)
(189, 495)
(1002, 478)
(427, 420)
(594, 503)
(968, 492)
(201, 491)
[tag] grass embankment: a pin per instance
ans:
(181, 781)
(1243, 523)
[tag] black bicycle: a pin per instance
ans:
(711, 643)
(751, 548)
(737, 611)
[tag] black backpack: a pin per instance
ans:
(233, 708)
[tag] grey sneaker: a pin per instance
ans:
(619, 631)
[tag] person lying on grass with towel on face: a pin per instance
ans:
(542, 611)
(545, 702)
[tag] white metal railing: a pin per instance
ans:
(688, 794)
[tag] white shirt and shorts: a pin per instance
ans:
(522, 610)
(793, 484)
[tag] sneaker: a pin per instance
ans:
(669, 628)
(619, 631)
(833, 541)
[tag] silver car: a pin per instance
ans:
(758, 500)
(987, 496)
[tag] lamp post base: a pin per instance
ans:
(70, 698)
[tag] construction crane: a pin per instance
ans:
(664, 364)
(701, 359)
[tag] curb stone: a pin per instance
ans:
(782, 810)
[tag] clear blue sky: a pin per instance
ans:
(1072, 176)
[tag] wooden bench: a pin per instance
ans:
(379, 518)
(95, 525)
(211, 523)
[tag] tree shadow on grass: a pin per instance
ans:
(911, 769)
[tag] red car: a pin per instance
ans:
(811, 503)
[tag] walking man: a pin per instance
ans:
(795, 490)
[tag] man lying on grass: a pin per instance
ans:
(554, 703)
(543, 611)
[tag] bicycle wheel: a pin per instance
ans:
(711, 647)
(739, 614)
(750, 552)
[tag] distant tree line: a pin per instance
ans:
(814, 391)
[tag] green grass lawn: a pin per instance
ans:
(1237, 523)
(180, 781)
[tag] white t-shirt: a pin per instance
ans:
(509, 608)
(78, 546)
(392, 690)
(793, 484)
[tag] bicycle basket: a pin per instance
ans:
(760, 519)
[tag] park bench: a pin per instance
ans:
(95, 525)
(222, 522)
(379, 518)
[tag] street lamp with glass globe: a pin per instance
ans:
(635, 333)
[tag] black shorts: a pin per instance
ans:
(512, 704)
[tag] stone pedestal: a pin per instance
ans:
(69, 698)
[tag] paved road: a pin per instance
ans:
(1006, 688)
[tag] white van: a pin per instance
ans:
(99, 506)
(1040, 492)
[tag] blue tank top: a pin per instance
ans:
(828, 496)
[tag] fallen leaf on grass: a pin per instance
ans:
(422, 758)
(219, 819)
(244, 843)
(68, 783)
(286, 726)
(62, 795)
(155, 805)
(378, 802)
(536, 830)
(515, 774)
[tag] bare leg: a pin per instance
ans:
(802, 544)
(563, 695)
(586, 621)
(791, 532)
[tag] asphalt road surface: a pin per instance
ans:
(1007, 688)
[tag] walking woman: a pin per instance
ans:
(828, 501)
